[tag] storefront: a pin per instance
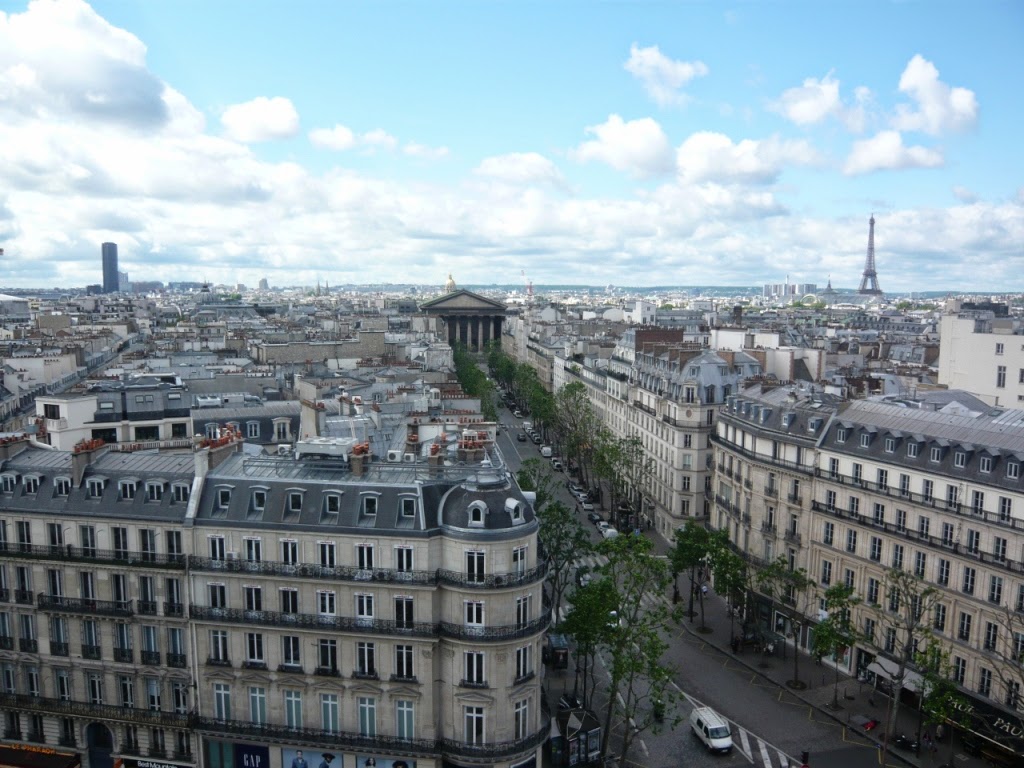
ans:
(35, 756)
(131, 762)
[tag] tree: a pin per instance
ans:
(692, 545)
(537, 476)
(1009, 656)
(791, 587)
(941, 700)
(639, 682)
(577, 426)
(836, 633)
(564, 542)
(635, 470)
(587, 624)
(730, 572)
(474, 382)
(910, 604)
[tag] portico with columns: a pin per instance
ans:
(469, 318)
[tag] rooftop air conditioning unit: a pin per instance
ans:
(410, 458)
(394, 457)
(232, 555)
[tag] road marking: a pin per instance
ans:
(744, 745)
(764, 753)
(783, 759)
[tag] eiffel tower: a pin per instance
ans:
(869, 280)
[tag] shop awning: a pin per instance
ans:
(883, 667)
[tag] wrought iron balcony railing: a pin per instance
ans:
(28, 645)
(177, 660)
(146, 607)
(85, 605)
(124, 655)
(59, 649)
(174, 609)
(25, 703)
(72, 553)
(492, 580)
(313, 621)
(151, 658)
(91, 652)
(312, 571)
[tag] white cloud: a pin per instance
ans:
(886, 151)
(520, 168)
(378, 139)
(639, 147)
(661, 76)
(964, 195)
(261, 119)
(414, 149)
(938, 108)
(338, 138)
(811, 102)
(708, 156)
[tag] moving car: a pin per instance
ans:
(712, 729)
(556, 464)
(521, 437)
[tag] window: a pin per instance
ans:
(999, 549)
(405, 719)
(289, 600)
(294, 503)
(894, 600)
(947, 534)
(923, 525)
(327, 655)
(826, 572)
(329, 711)
(476, 513)
(364, 607)
(858, 473)
(977, 502)
(890, 444)
(219, 646)
(522, 719)
(973, 541)
(968, 583)
(985, 464)
(865, 440)
(222, 701)
(991, 635)
(883, 479)
(927, 490)
(223, 498)
(524, 610)
(367, 716)
(851, 540)
(854, 506)
(879, 514)
(326, 602)
(940, 617)
(1000, 376)
(216, 547)
(897, 556)
(408, 507)
(366, 659)
(959, 459)
(942, 576)
(293, 709)
(290, 651)
(252, 429)
(849, 578)
(127, 489)
(830, 500)
(964, 631)
(364, 557)
(369, 505)
(126, 691)
(474, 667)
(936, 454)
(890, 639)
(473, 718)
(985, 681)
(181, 493)
(999, 347)
(876, 549)
(1012, 470)
(869, 630)
(327, 553)
(519, 560)
(474, 613)
(259, 502)
(403, 559)
(1005, 509)
(841, 435)
(829, 533)
(920, 562)
(872, 591)
(912, 449)
(253, 598)
(253, 550)
(403, 612)
(403, 662)
(254, 649)
(959, 669)
(995, 589)
(218, 595)
(524, 661)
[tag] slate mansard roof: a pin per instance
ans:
(319, 496)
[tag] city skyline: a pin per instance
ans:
(633, 144)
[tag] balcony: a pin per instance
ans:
(119, 608)
(767, 527)
(12, 733)
(60, 708)
(28, 645)
(390, 745)
(151, 658)
(313, 621)
(69, 553)
(177, 660)
(508, 632)
(6, 643)
(473, 683)
(327, 672)
(37, 737)
(404, 679)
(91, 652)
(793, 537)
(5, 595)
(795, 498)
(291, 668)
(176, 610)
(359, 674)
(748, 484)
(157, 752)
(23, 597)
(254, 664)
(124, 655)
(771, 490)
(492, 580)
(311, 571)
(216, 661)
(59, 649)
(146, 607)
(68, 741)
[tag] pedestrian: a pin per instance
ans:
(704, 589)
(940, 731)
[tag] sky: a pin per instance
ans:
(629, 143)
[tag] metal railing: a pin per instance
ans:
(25, 703)
(85, 605)
(493, 580)
(68, 552)
(313, 571)
(314, 621)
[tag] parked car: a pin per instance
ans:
(712, 729)
(603, 525)
(521, 437)
(536, 439)
(586, 506)
(518, 414)
(594, 517)
(556, 464)
(575, 488)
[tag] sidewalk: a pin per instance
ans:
(857, 702)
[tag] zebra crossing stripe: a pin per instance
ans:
(764, 754)
(745, 744)
(783, 759)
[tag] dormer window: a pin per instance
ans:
(841, 435)
(408, 507)
(181, 493)
(32, 484)
(985, 464)
(154, 491)
(959, 459)
(258, 502)
(294, 503)
(126, 489)
(252, 429)
(331, 508)
(936, 454)
(865, 440)
(211, 430)
(515, 510)
(1013, 470)
(62, 486)
(94, 487)
(476, 513)
(912, 449)
(369, 505)
(223, 499)
(7, 482)
(890, 445)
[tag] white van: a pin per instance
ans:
(712, 729)
(609, 533)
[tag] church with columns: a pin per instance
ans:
(470, 319)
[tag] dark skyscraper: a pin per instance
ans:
(110, 278)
